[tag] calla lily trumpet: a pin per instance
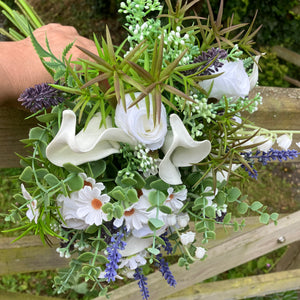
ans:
(91, 144)
(180, 151)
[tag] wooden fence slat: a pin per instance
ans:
(229, 254)
(240, 288)
(13, 128)
(28, 255)
(287, 55)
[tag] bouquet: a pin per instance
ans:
(139, 149)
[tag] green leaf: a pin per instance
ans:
(149, 180)
(26, 175)
(220, 198)
(264, 218)
(72, 168)
(117, 193)
(52, 180)
(227, 218)
(156, 198)
(243, 208)
(85, 257)
(75, 183)
(165, 209)
(132, 196)
(47, 118)
(101, 259)
(41, 173)
(98, 167)
(200, 226)
(140, 181)
(159, 185)
(36, 133)
(155, 223)
(210, 212)
(255, 206)
(274, 216)
(233, 194)
(235, 226)
(107, 208)
(153, 251)
(128, 181)
(211, 235)
(92, 229)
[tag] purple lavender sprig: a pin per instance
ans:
(265, 157)
(40, 96)
(165, 270)
(142, 283)
(167, 247)
(208, 56)
(114, 256)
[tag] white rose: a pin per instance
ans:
(183, 220)
(200, 252)
(187, 238)
(136, 123)
(284, 141)
(233, 83)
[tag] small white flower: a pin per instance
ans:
(266, 146)
(135, 261)
(284, 141)
(90, 202)
(212, 197)
(68, 210)
(200, 252)
(102, 275)
(174, 200)
(183, 220)
(32, 212)
(187, 238)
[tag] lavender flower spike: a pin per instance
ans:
(142, 282)
(40, 96)
(165, 271)
(114, 256)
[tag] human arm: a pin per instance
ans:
(20, 66)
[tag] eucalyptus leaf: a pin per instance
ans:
(52, 180)
(72, 168)
(156, 198)
(26, 175)
(75, 183)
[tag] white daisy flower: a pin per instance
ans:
(91, 182)
(90, 202)
(174, 200)
(136, 215)
(32, 212)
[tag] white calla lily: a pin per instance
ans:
(91, 144)
(180, 151)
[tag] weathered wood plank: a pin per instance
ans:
(227, 255)
(28, 255)
(242, 288)
(13, 128)
(287, 55)
(291, 258)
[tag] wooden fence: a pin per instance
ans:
(280, 110)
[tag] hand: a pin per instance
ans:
(20, 66)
